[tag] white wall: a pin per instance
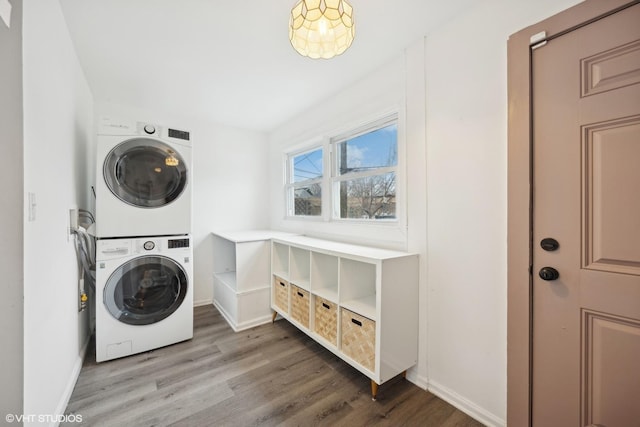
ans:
(11, 253)
(57, 134)
(369, 99)
(229, 190)
(466, 75)
(457, 191)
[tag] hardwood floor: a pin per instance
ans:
(266, 376)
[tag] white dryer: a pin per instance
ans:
(143, 183)
(144, 294)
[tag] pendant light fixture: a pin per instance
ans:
(321, 28)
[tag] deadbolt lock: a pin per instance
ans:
(549, 244)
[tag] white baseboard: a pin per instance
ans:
(455, 399)
(202, 302)
(465, 405)
(73, 379)
(419, 380)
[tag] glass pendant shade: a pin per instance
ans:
(321, 28)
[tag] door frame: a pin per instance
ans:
(519, 205)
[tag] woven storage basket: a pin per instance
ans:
(326, 320)
(359, 338)
(281, 293)
(300, 305)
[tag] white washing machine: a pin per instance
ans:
(143, 183)
(144, 294)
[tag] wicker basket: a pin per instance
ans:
(359, 338)
(281, 293)
(326, 320)
(300, 305)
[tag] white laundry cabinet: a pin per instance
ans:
(359, 302)
(241, 276)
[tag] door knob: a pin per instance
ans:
(548, 273)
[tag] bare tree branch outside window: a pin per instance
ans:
(372, 197)
(368, 196)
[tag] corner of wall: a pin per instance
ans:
(57, 112)
(11, 226)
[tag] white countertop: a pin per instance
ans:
(241, 236)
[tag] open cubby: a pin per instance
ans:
(359, 291)
(280, 260)
(299, 264)
(324, 276)
(224, 259)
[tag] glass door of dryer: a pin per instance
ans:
(145, 290)
(145, 173)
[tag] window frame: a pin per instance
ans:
(336, 178)
(291, 186)
(324, 140)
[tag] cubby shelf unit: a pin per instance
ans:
(241, 276)
(361, 302)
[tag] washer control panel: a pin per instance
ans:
(118, 248)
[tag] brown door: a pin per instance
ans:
(586, 196)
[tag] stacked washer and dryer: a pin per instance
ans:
(144, 255)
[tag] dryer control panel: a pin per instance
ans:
(178, 243)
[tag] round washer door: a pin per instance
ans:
(145, 290)
(145, 173)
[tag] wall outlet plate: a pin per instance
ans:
(73, 219)
(31, 206)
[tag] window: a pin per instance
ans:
(364, 178)
(304, 183)
(359, 177)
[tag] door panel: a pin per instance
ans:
(586, 195)
(611, 182)
(610, 345)
(611, 69)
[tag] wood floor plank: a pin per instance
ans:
(271, 375)
(110, 399)
(155, 364)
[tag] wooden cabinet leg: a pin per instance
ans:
(374, 390)
(273, 316)
(404, 375)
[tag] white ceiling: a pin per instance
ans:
(231, 62)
